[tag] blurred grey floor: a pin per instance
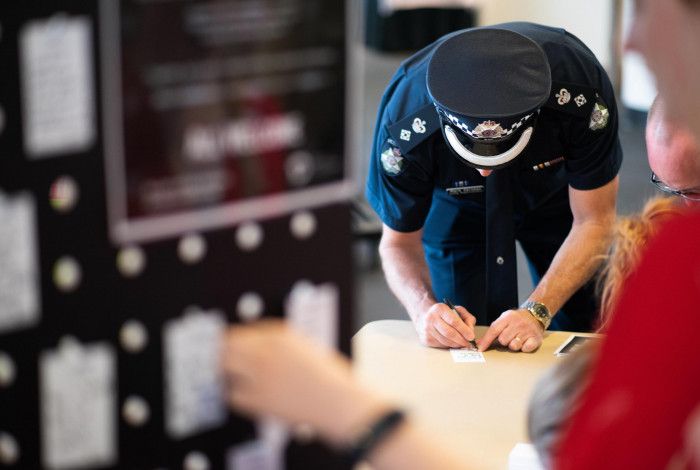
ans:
(373, 300)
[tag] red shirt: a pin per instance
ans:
(646, 382)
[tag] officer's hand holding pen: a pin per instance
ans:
(444, 327)
(472, 342)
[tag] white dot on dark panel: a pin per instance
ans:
(136, 411)
(249, 236)
(250, 306)
(7, 370)
(9, 449)
(192, 249)
(67, 274)
(131, 261)
(303, 225)
(133, 336)
(196, 461)
(64, 194)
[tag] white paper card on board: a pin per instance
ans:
(57, 85)
(78, 405)
(255, 455)
(314, 311)
(467, 355)
(194, 395)
(19, 275)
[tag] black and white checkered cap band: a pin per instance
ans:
(465, 128)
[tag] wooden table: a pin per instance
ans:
(477, 410)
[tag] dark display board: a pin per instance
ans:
(167, 167)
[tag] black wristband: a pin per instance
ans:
(369, 439)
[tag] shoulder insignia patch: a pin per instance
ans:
(393, 162)
(572, 98)
(599, 116)
(415, 128)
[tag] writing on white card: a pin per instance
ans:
(467, 355)
(19, 276)
(194, 392)
(78, 405)
(314, 311)
(57, 85)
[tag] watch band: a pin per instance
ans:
(539, 311)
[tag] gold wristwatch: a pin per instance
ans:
(539, 311)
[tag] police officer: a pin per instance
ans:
(489, 135)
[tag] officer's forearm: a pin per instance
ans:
(408, 276)
(575, 263)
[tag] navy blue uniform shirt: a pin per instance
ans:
(415, 181)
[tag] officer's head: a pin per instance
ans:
(488, 85)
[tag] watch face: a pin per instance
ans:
(540, 311)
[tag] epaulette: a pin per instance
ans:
(571, 98)
(415, 128)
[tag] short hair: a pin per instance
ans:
(631, 235)
(555, 398)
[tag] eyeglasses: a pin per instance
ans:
(691, 194)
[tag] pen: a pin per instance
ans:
(447, 302)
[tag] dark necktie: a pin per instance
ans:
(501, 272)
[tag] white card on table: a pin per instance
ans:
(194, 392)
(19, 276)
(467, 355)
(78, 405)
(314, 311)
(57, 85)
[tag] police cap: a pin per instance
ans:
(487, 85)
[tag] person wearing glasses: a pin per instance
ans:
(489, 135)
(644, 412)
(674, 155)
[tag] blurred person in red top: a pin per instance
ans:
(642, 406)
(646, 382)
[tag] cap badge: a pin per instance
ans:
(563, 96)
(418, 126)
(580, 100)
(488, 130)
(405, 135)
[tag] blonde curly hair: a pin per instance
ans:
(632, 233)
